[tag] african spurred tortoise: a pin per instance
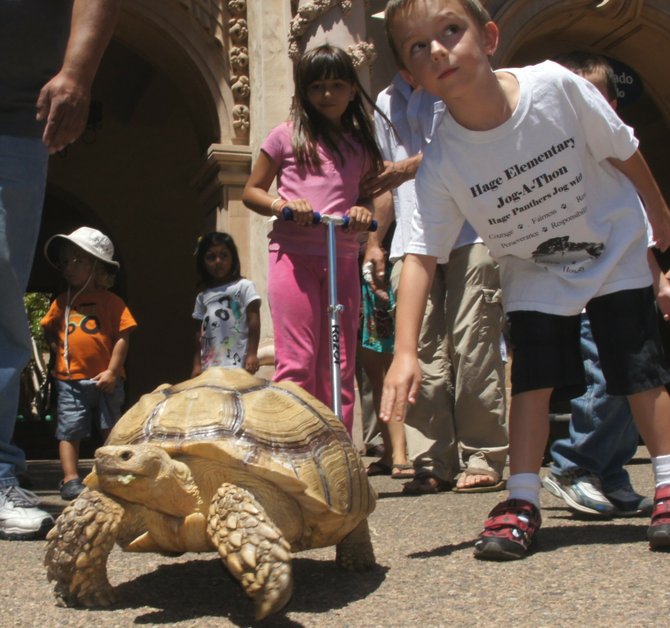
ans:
(227, 462)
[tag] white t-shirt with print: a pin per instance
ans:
(562, 222)
(224, 330)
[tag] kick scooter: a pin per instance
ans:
(334, 308)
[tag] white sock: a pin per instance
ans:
(525, 486)
(661, 467)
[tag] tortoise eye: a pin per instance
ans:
(126, 455)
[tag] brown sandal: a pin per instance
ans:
(378, 468)
(425, 484)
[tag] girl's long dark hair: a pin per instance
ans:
(204, 244)
(328, 62)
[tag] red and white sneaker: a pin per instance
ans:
(509, 531)
(658, 533)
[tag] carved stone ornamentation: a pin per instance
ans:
(241, 118)
(238, 30)
(241, 87)
(239, 58)
(310, 12)
(362, 53)
(306, 14)
(237, 7)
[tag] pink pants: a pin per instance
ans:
(298, 298)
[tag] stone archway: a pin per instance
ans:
(634, 32)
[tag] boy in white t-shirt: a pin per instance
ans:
(549, 177)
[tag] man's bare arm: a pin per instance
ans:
(64, 101)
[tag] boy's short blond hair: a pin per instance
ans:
(475, 9)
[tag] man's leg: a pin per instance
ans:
(22, 181)
(23, 164)
(589, 464)
(474, 319)
(429, 425)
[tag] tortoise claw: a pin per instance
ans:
(253, 548)
(78, 547)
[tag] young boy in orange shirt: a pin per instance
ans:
(88, 328)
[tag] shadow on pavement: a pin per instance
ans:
(551, 538)
(444, 550)
(204, 588)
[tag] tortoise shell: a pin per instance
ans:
(274, 431)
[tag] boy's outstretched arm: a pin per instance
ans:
(401, 384)
(637, 170)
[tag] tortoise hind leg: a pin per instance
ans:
(78, 547)
(354, 552)
(252, 547)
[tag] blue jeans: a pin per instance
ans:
(23, 171)
(603, 437)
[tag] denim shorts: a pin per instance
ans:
(80, 402)
(546, 350)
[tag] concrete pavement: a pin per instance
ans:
(585, 572)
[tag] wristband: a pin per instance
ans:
(273, 205)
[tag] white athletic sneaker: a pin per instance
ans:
(20, 518)
(582, 493)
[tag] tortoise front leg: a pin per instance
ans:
(252, 547)
(78, 547)
(354, 552)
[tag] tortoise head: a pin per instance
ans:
(146, 474)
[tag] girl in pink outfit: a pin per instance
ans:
(318, 157)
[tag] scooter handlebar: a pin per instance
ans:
(317, 218)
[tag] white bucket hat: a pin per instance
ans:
(92, 241)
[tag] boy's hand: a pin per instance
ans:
(401, 385)
(106, 381)
(251, 363)
(359, 218)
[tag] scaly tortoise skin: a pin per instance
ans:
(227, 462)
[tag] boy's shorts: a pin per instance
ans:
(546, 347)
(80, 402)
